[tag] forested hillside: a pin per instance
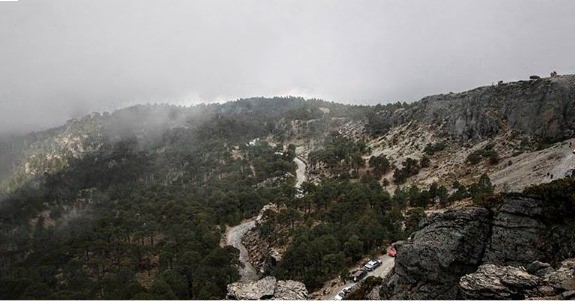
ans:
(136, 203)
(133, 204)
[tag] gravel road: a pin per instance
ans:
(387, 263)
(300, 172)
(234, 234)
(234, 238)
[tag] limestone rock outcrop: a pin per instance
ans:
(510, 251)
(539, 281)
(497, 282)
(543, 108)
(448, 246)
(261, 289)
(290, 290)
(519, 223)
(524, 231)
(267, 288)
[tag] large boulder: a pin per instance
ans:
(539, 281)
(256, 290)
(267, 288)
(290, 290)
(497, 282)
(448, 246)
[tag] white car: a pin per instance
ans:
(344, 292)
(372, 264)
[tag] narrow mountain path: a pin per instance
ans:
(235, 234)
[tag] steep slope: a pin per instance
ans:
(543, 108)
(517, 133)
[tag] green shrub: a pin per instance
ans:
(431, 149)
(494, 159)
(425, 162)
(487, 152)
(474, 157)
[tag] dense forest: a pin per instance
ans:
(133, 204)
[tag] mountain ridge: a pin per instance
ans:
(540, 107)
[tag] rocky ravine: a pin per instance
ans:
(475, 241)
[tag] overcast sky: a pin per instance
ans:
(60, 59)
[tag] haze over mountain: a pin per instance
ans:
(155, 150)
(284, 198)
(63, 59)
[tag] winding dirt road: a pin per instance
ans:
(300, 172)
(234, 234)
(234, 238)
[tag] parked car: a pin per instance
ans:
(391, 250)
(358, 275)
(344, 292)
(372, 264)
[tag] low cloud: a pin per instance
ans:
(62, 59)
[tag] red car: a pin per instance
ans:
(391, 250)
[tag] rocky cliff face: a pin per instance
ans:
(456, 243)
(525, 230)
(448, 246)
(543, 108)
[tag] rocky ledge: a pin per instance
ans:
(494, 248)
(267, 288)
(538, 281)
